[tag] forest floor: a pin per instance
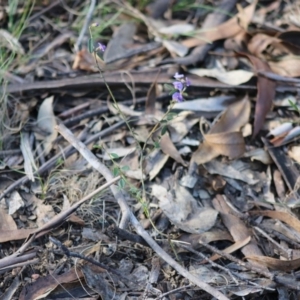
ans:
(149, 149)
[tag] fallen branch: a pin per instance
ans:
(127, 215)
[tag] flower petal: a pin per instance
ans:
(178, 85)
(178, 76)
(177, 97)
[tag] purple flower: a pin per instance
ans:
(101, 47)
(177, 97)
(178, 85)
(187, 82)
(178, 76)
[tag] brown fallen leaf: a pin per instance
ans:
(276, 264)
(237, 245)
(43, 286)
(169, 148)
(15, 235)
(224, 137)
(265, 92)
(236, 227)
(260, 42)
(84, 60)
(227, 29)
(279, 215)
(288, 66)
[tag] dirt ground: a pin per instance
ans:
(149, 149)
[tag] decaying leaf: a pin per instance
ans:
(15, 202)
(182, 209)
(232, 248)
(46, 122)
(259, 154)
(176, 48)
(29, 163)
(44, 212)
(117, 152)
(180, 126)
(228, 29)
(44, 285)
(169, 148)
(224, 137)
(294, 153)
(279, 215)
(229, 170)
(276, 264)
(155, 162)
(265, 93)
(84, 60)
(289, 66)
(235, 77)
(9, 41)
(236, 227)
(211, 104)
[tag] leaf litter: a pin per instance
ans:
(214, 178)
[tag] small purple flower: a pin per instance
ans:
(101, 47)
(178, 85)
(177, 97)
(187, 82)
(178, 76)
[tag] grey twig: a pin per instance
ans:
(85, 25)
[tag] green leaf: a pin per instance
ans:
(168, 87)
(116, 171)
(171, 116)
(114, 155)
(122, 183)
(294, 105)
(91, 45)
(157, 145)
(133, 190)
(164, 130)
(125, 168)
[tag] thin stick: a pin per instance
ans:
(128, 215)
(85, 25)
